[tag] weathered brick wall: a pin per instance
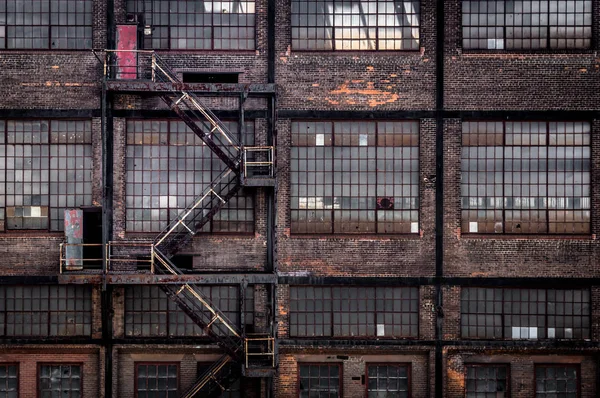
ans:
(354, 361)
(358, 80)
(515, 80)
(29, 359)
(521, 365)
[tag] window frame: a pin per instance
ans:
(548, 50)
(360, 235)
(169, 133)
(15, 364)
(39, 375)
(492, 365)
(136, 365)
(50, 27)
(503, 314)
(509, 235)
(408, 365)
(332, 40)
(577, 367)
(333, 336)
(339, 365)
(212, 27)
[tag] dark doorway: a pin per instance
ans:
(92, 234)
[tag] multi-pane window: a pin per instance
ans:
(355, 25)
(46, 24)
(45, 311)
(527, 24)
(168, 166)
(149, 312)
(354, 311)
(197, 25)
(388, 380)
(45, 168)
(319, 380)
(525, 313)
(525, 177)
(356, 177)
(9, 381)
(557, 381)
(486, 381)
(156, 380)
(60, 380)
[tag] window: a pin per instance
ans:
(388, 380)
(46, 24)
(156, 380)
(484, 381)
(45, 168)
(60, 380)
(355, 177)
(527, 24)
(320, 380)
(149, 312)
(168, 166)
(354, 311)
(9, 381)
(557, 381)
(525, 177)
(355, 25)
(197, 25)
(525, 313)
(45, 311)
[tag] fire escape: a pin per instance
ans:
(146, 73)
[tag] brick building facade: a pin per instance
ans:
(429, 230)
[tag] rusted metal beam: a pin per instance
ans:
(208, 89)
(225, 279)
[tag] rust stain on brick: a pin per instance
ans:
(54, 66)
(370, 68)
(583, 70)
(375, 97)
(316, 85)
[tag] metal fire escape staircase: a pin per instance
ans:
(242, 353)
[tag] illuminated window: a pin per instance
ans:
(197, 25)
(525, 313)
(168, 167)
(527, 24)
(355, 25)
(60, 380)
(46, 24)
(486, 381)
(354, 311)
(525, 177)
(355, 177)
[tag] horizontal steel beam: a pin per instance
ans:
(225, 279)
(166, 113)
(208, 89)
(49, 113)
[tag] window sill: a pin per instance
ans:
(345, 53)
(42, 234)
(359, 237)
(471, 236)
(219, 235)
(483, 53)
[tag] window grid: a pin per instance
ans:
(526, 177)
(558, 380)
(355, 25)
(486, 381)
(319, 380)
(355, 177)
(527, 24)
(167, 167)
(354, 312)
(64, 380)
(388, 380)
(46, 24)
(149, 312)
(497, 313)
(9, 380)
(187, 25)
(45, 311)
(45, 167)
(157, 380)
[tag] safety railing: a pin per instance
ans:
(73, 256)
(258, 161)
(259, 347)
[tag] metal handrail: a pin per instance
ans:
(63, 259)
